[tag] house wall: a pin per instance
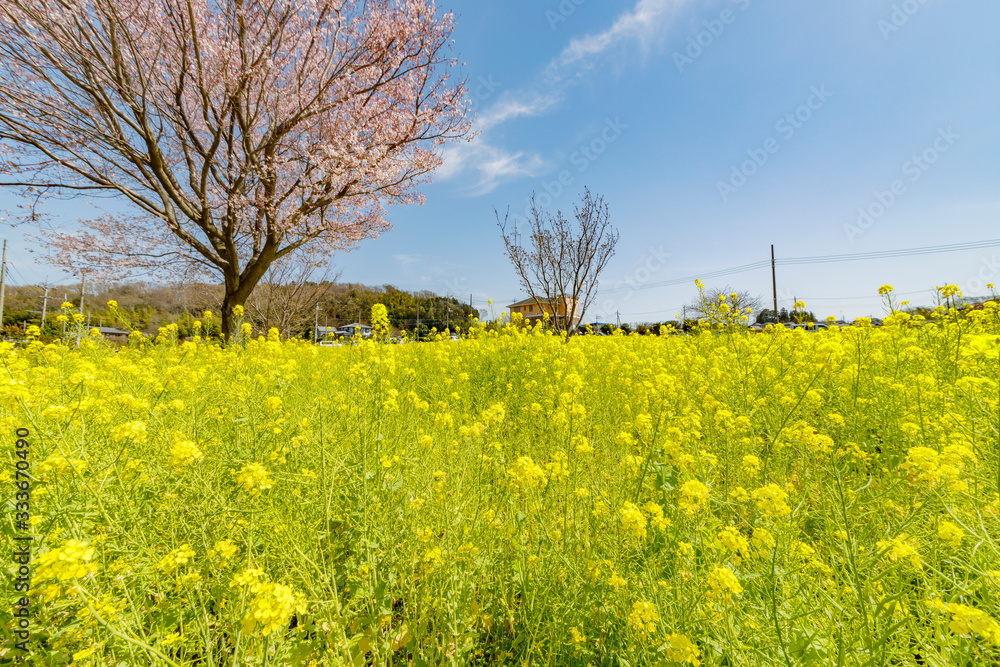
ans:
(541, 308)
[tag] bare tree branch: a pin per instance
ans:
(560, 262)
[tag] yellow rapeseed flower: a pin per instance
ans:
(951, 533)
(71, 560)
(179, 557)
(643, 616)
(771, 500)
(723, 584)
(254, 478)
(272, 608)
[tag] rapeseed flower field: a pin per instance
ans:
(722, 498)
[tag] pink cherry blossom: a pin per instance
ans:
(240, 131)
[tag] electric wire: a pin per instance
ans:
(888, 254)
(818, 259)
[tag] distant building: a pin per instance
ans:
(326, 332)
(535, 309)
(347, 331)
(111, 333)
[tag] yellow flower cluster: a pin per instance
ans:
(380, 320)
(969, 621)
(272, 606)
(643, 616)
(633, 521)
(57, 466)
(133, 431)
(681, 649)
(656, 518)
(902, 547)
(223, 549)
(772, 500)
(185, 452)
(950, 533)
(723, 584)
(527, 474)
(928, 466)
(694, 495)
(179, 557)
(762, 539)
(71, 560)
(731, 539)
(254, 478)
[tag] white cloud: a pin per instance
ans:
(406, 259)
(495, 165)
(646, 20)
(512, 107)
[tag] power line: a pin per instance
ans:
(689, 279)
(20, 277)
(807, 299)
(657, 312)
(886, 254)
(818, 259)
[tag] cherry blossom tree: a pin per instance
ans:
(238, 132)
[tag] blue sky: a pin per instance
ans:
(714, 129)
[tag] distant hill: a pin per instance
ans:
(291, 307)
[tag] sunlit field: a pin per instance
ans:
(723, 498)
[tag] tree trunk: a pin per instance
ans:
(228, 302)
(238, 290)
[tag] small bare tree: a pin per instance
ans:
(287, 296)
(560, 261)
(737, 299)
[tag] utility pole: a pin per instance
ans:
(684, 317)
(83, 288)
(316, 326)
(418, 321)
(618, 319)
(774, 284)
(45, 302)
(3, 281)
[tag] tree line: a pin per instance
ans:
(293, 307)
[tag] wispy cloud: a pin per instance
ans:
(528, 103)
(644, 22)
(406, 259)
(495, 165)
